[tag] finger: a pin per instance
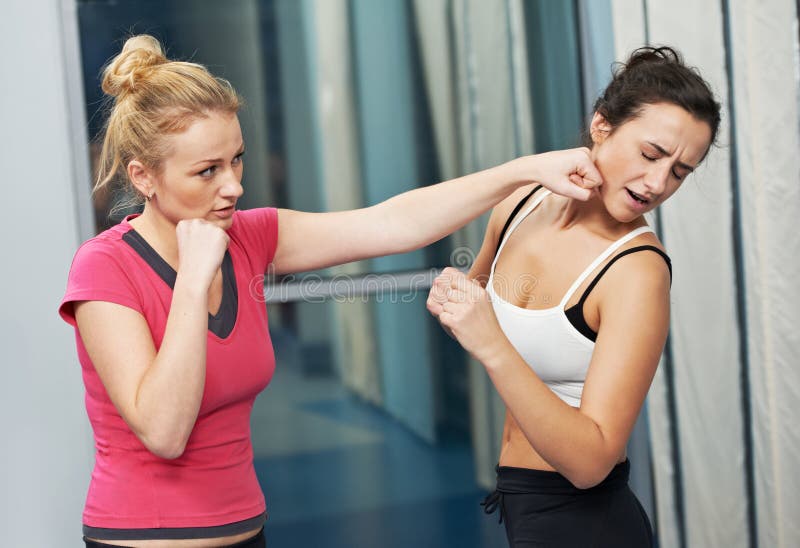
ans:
(460, 282)
(440, 286)
(437, 295)
(589, 172)
(456, 296)
(585, 180)
(573, 190)
(581, 185)
(446, 319)
(434, 307)
(443, 279)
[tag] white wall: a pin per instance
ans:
(47, 447)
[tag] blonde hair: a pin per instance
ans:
(153, 98)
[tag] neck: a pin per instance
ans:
(593, 215)
(159, 232)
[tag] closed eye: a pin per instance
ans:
(654, 158)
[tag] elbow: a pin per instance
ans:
(591, 476)
(165, 447)
(585, 481)
(162, 434)
(168, 453)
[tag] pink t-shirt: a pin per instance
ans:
(213, 483)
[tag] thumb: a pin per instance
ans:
(589, 173)
(574, 188)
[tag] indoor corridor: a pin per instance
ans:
(338, 472)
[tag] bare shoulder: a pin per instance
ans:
(501, 211)
(648, 238)
(645, 271)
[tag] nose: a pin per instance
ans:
(232, 187)
(656, 180)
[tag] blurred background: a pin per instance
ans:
(378, 430)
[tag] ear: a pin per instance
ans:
(141, 177)
(599, 129)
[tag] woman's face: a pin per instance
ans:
(202, 175)
(644, 160)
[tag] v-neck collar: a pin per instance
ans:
(221, 323)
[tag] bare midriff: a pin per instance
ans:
(184, 543)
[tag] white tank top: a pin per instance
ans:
(557, 352)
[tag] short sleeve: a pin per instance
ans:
(98, 275)
(258, 230)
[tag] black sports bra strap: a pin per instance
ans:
(612, 261)
(514, 214)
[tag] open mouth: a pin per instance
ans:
(636, 197)
(224, 213)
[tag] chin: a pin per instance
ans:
(620, 212)
(623, 214)
(224, 224)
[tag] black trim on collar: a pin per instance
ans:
(221, 323)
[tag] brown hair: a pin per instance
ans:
(153, 97)
(655, 75)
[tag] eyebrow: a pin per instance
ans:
(663, 151)
(218, 160)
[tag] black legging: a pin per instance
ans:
(543, 509)
(258, 541)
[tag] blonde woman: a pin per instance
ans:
(173, 348)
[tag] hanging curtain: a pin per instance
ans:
(723, 401)
(765, 68)
(353, 333)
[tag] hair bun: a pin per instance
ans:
(649, 54)
(138, 57)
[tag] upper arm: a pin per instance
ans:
(258, 230)
(118, 341)
(310, 241)
(634, 322)
(103, 303)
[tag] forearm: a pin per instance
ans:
(567, 439)
(169, 395)
(422, 216)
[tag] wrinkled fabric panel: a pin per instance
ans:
(765, 72)
(354, 337)
(696, 229)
